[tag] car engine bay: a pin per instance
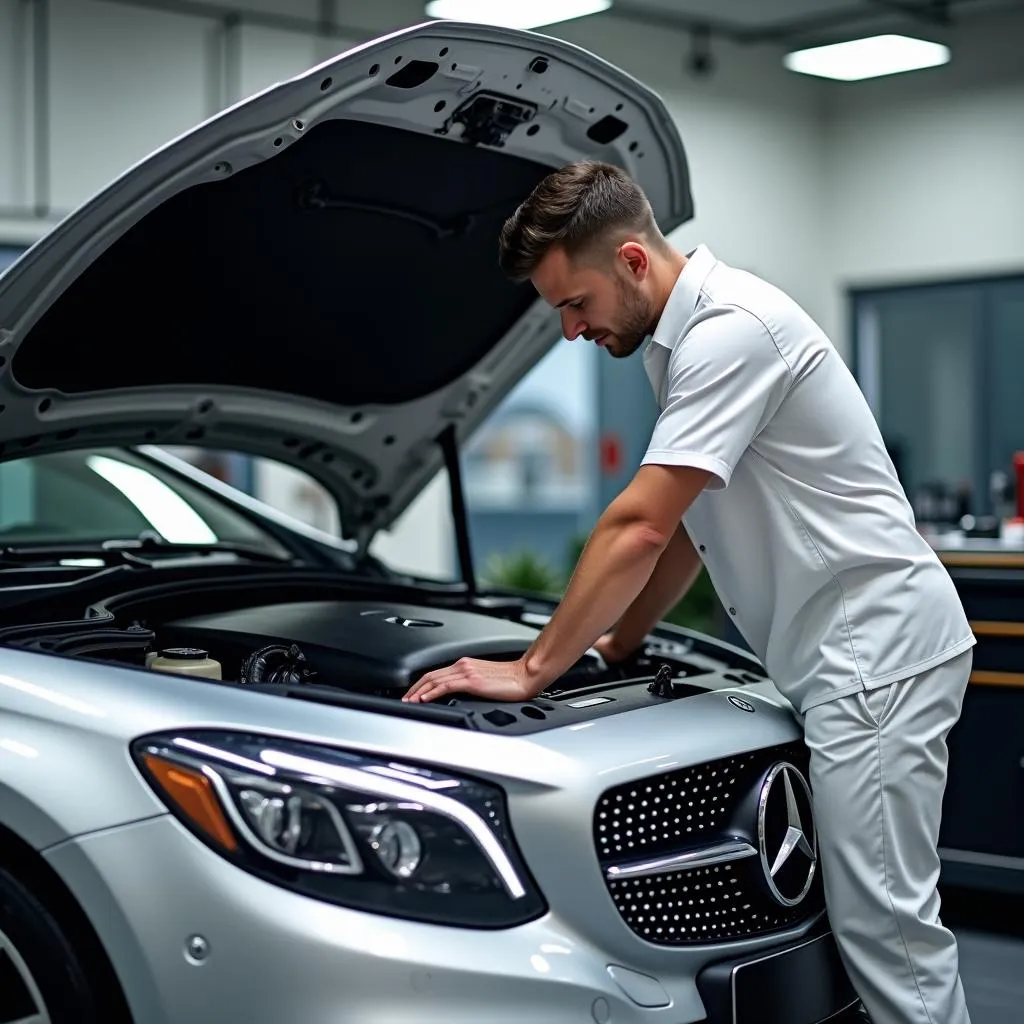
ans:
(365, 647)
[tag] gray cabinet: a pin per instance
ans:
(982, 834)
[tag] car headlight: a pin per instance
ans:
(356, 830)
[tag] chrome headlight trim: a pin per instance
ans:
(376, 785)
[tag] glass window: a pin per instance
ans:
(110, 493)
(282, 487)
(1006, 374)
(941, 367)
(920, 371)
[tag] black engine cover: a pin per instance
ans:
(363, 646)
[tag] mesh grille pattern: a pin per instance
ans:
(691, 807)
(716, 904)
(665, 813)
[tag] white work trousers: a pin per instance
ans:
(878, 773)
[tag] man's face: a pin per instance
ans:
(606, 304)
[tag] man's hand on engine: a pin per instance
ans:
(491, 680)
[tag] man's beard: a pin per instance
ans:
(637, 321)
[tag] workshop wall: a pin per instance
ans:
(924, 171)
(123, 80)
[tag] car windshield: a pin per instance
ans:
(101, 494)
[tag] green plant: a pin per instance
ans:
(522, 570)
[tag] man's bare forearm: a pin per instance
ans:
(677, 568)
(616, 566)
(618, 561)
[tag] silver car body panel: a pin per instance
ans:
(275, 956)
(71, 790)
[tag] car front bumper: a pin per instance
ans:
(157, 896)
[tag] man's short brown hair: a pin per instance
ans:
(573, 207)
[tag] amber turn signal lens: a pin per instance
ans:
(191, 792)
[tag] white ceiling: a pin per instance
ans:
(750, 13)
(745, 20)
(790, 18)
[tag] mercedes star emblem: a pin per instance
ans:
(739, 702)
(786, 835)
(397, 620)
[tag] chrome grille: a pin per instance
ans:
(662, 812)
(690, 809)
(713, 904)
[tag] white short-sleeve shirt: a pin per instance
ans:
(805, 530)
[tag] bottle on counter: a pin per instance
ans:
(1013, 532)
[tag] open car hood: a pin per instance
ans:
(311, 275)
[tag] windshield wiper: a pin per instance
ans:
(147, 543)
(130, 550)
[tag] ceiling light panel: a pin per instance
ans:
(515, 13)
(871, 57)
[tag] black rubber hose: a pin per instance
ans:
(279, 664)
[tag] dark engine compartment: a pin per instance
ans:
(381, 648)
(365, 647)
(376, 647)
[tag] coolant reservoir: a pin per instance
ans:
(186, 661)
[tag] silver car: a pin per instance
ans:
(213, 804)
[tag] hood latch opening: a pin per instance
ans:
(489, 118)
